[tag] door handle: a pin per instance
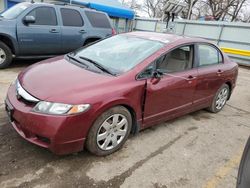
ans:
(54, 31)
(190, 78)
(219, 72)
(82, 31)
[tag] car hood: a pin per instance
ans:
(57, 80)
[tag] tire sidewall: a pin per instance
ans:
(8, 53)
(91, 142)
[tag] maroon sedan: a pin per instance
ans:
(96, 96)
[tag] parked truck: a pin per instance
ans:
(41, 30)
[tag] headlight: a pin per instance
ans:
(59, 108)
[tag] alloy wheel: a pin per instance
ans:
(221, 98)
(112, 131)
(2, 56)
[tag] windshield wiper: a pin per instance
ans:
(75, 59)
(101, 67)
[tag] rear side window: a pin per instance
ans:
(71, 18)
(98, 19)
(208, 55)
(44, 16)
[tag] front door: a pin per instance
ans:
(43, 37)
(173, 93)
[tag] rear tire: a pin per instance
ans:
(220, 99)
(110, 131)
(5, 56)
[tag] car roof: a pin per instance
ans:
(165, 38)
(65, 5)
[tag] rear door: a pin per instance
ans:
(173, 93)
(73, 29)
(211, 73)
(42, 37)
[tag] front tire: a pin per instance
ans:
(110, 131)
(220, 99)
(5, 56)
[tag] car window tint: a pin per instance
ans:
(98, 19)
(71, 18)
(176, 60)
(208, 55)
(44, 16)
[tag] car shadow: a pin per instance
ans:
(18, 63)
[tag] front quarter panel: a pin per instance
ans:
(126, 94)
(8, 30)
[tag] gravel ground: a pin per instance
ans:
(197, 150)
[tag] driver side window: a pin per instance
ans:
(44, 16)
(177, 60)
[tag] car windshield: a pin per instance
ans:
(120, 53)
(15, 11)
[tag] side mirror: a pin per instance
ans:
(158, 74)
(29, 19)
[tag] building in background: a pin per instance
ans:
(2, 6)
(5, 4)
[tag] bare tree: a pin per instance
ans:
(219, 9)
(153, 7)
(132, 4)
(190, 5)
(237, 7)
(246, 17)
(200, 9)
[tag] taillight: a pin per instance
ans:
(113, 31)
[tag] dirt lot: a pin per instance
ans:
(198, 150)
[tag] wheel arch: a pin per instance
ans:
(230, 88)
(135, 124)
(120, 102)
(9, 42)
